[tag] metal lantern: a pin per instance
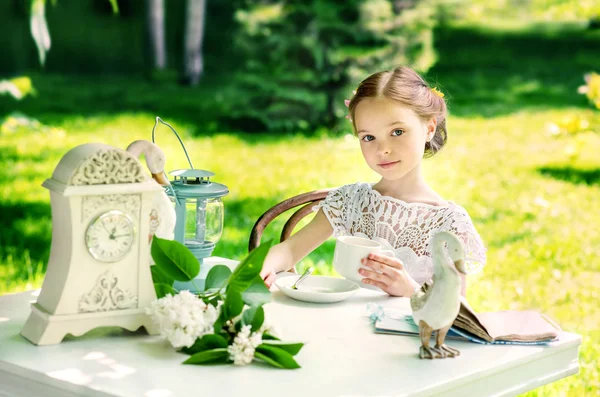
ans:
(198, 205)
(199, 210)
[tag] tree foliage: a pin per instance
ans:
(302, 58)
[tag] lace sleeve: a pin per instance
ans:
(334, 208)
(463, 227)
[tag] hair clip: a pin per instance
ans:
(437, 92)
(347, 104)
(347, 101)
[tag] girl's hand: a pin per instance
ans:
(268, 276)
(388, 274)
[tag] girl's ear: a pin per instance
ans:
(431, 127)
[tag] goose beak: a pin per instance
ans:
(161, 178)
(460, 266)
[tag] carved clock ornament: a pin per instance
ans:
(98, 273)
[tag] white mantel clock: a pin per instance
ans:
(98, 274)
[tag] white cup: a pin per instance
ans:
(350, 250)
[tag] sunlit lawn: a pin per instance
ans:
(535, 207)
(541, 231)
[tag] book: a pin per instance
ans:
(504, 327)
(508, 325)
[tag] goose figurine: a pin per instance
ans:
(162, 216)
(436, 305)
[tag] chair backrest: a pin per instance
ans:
(308, 199)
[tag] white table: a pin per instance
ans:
(342, 356)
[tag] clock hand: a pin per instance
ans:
(120, 235)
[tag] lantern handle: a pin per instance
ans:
(182, 145)
(176, 134)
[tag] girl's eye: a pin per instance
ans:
(367, 138)
(397, 132)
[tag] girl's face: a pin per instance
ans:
(392, 136)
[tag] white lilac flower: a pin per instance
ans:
(183, 318)
(255, 339)
(179, 337)
(241, 352)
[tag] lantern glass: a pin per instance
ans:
(204, 220)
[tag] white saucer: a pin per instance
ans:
(318, 289)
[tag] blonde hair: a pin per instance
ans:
(407, 87)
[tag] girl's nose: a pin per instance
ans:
(383, 149)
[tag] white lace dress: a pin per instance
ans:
(405, 228)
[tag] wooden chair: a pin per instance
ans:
(309, 200)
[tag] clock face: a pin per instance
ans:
(110, 236)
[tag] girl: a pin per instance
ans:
(399, 120)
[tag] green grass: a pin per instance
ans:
(535, 208)
(488, 72)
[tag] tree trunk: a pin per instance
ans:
(193, 62)
(156, 33)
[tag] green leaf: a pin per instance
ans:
(233, 305)
(159, 276)
(174, 259)
(217, 276)
(163, 290)
(238, 326)
(255, 316)
(268, 360)
(213, 301)
(218, 325)
(207, 342)
(280, 356)
(259, 319)
(267, 336)
(213, 356)
(292, 348)
(257, 293)
(248, 269)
